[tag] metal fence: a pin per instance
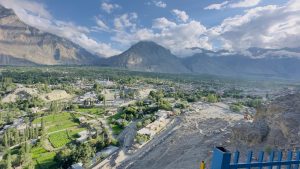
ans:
(222, 160)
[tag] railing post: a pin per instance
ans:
(261, 159)
(236, 158)
(249, 158)
(271, 159)
(221, 158)
(289, 158)
(279, 158)
(297, 158)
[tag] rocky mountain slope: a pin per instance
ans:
(255, 62)
(21, 44)
(148, 56)
(276, 125)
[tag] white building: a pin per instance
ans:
(146, 131)
(77, 166)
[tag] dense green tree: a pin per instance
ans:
(6, 140)
(83, 153)
(55, 107)
(101, 98)
(97, 87)
(64, 158)
(164, 104)
(8, 161)
(212, 98)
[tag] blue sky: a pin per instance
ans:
(108, 27)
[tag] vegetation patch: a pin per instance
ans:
(42, 158)
(60, 139)
(95, 110)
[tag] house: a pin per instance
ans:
(154, 127)
(162, 113)
(111, 113)
(108, 151)
(83, 136)
(105, 153)
(82, 119)
(147, 102)
(77, 166)
(106, 83)
(146, 131)
(87, 97)
(21, 126)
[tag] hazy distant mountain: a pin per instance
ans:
(21, 44)
(264, 64)
(150, 57)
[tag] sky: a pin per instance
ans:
(108, 27)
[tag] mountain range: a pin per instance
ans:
(21, 44)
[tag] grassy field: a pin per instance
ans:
(61, 128)
(62, 138)
(53, 119)
(42, 158)
(93, 111)
(58, 121)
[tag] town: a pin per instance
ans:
(73, 117)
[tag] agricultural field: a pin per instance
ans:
(61, 138)
(61, 128)
(98, 111)
(42, 158)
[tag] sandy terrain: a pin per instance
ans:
(145, 92)
(12, 97)
(56, 95)
(197, 134)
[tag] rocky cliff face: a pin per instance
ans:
(276, 125)
(21, 44)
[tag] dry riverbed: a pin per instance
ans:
(185, 144)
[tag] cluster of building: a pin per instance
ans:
(156, 126)
(18, 124)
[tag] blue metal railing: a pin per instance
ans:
(222, 160)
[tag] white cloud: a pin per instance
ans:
(267, 27)
(245, 4)
(179, 38)
(162, 23)
(239, 4)
(107, 7)
(125, 21)
(181, 15)
(217, 6)
(160, 4)
(35, 14)
(101, 25)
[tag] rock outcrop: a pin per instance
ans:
(21, 44)
(275, 125)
